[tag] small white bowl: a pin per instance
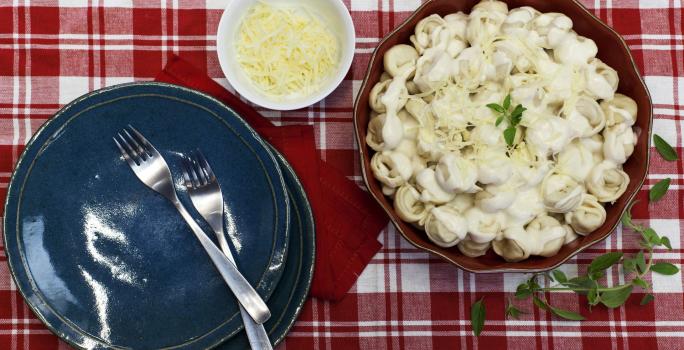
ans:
(332, 12)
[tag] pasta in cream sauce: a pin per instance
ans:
(441, 156)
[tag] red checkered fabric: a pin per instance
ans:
(53, 51)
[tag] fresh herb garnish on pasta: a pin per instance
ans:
(512, 116)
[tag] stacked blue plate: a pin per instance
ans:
(107, 263)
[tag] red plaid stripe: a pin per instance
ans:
(54, 51)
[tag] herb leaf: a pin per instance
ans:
(516, 116)
(477, 317)
(513, 117)
(659, 189)
(641, 261)
(523, 292)
(604, 261)
(592, 296)
(615, 298)
(566, 314)
(532, 284)
(628, 265)
(646, 299)
(650, 236)
(539, 303)
(666, 151)
(641, 283)
(666, 242)
(507, 102)
(509, 135)
(496, 108)
(664, 268)
(560, 276)
(578, 284)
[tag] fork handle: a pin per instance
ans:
(237, 283)
(256, 333)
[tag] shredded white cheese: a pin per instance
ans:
(287, 52)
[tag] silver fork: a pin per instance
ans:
(149, 166)
(205, 194)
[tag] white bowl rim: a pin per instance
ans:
(345, 63)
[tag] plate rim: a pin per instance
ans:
(312, 225)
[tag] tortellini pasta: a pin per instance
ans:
(398, 58)
(575, 49)
(576, 161)
(376, 94)
(473, 249)
(446, 226)
(618, 143)
(408, 205)
(393, 169)
(588, 216)
(607, 181)
(456, 174)
(586, 117)
(544, 237)
(550, 28)
(440, 151)
(620, 110)
(602, 81)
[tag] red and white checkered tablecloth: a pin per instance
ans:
(53, 51)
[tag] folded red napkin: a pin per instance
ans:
(347, 219)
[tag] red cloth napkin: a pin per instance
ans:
(347, 219)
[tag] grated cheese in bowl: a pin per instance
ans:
(286, 51)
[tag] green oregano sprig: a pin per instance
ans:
(589, 285)
(513, 116)
(636, 267)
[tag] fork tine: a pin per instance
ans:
(186, 173)
(147, 145)
(127, 158)
(205, 166)
(136, 145)
(196, 180)
(129, 149)
(198, 168)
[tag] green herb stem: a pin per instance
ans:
(600, 289)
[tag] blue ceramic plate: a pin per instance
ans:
(107, 263)
(289, 297)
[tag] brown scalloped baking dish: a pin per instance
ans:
(612, 50)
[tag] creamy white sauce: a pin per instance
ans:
(431, 190)
(393, 130)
